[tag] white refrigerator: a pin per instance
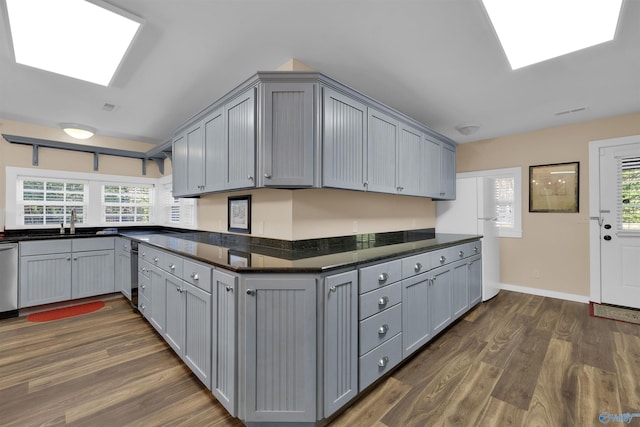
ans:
(474, 212)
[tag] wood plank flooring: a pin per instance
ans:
(517, 360)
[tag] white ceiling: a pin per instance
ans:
(436, 60)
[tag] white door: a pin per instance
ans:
(487, 226)
(620, 225)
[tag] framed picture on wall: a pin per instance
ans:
(554, 187)
(239, 214)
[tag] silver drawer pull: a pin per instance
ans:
(155, 259)
(475, 249)
(383, 301)
(383, 329)
(228, 288)
(142, 307)
(417, 267)
(442, 259)
(383, 362)
(332, 289)
(143, 287)
(383, 277)
(172, 266)
(143, 254)
(461, 254)
(195, 276)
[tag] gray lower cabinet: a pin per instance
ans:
(60, 270)
(224, 375)
(45, 279)
(156, 313)
(440, 298)
(174, 330)
(279, 349)
(416, 323)
(340, 373)
(123, 266)
(475, 280)
(459, 288)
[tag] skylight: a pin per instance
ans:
(80, 39)
(532, 31)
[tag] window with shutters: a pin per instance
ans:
(176, 211)
(42, 201)
(628, 209)
(127, 204)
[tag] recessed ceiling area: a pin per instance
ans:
(533, 31)
(438, 61)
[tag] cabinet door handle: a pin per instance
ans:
(195, 276)
(400, 189)
(250, 178)
(251, 292)
(366, 184)
(332, 289)
(75, 258)
(228, 288)
(475, 249)
(172, 266)
(383, 277)
(383, 329)
(143, 287)
(142, 307)
(383, 362)
(268, 176)
(442, 259)
(417, 267)
(179, 290)
(144, 254)
(383, 301)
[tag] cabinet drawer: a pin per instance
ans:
(144, 306)
(380, 360)
(444, 256)
(416, 264)
(144, 286)
(44, 247)
(376, 301)
(379, 328)
(123, 244)
(152, 255)
(379, 275)
(172, 264)
(93, 244)
(197, 274)
(473, 248)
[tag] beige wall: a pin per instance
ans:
(21, 155)
(314, 213)
(553, 253)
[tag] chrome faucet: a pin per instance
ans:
(72, 225)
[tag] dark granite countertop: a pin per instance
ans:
(250, 254)
(255, 259)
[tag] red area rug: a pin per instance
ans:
(61, 313)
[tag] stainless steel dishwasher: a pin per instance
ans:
(8, 280)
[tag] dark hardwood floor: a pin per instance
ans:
(517, 360)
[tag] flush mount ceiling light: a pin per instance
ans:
(532, 31)
(467, 130)
(77, 131)
(77, 38)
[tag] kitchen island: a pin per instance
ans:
(289, 333)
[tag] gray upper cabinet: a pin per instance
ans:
(195, 159)
(431, 175)
(448, 173)
(215, 152)
(411, 161)
(288, 136)
(180, 165)
(382, 141)
(345, 140)
(295, 129)
(240, 120)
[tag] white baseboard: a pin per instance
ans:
(545, 293)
